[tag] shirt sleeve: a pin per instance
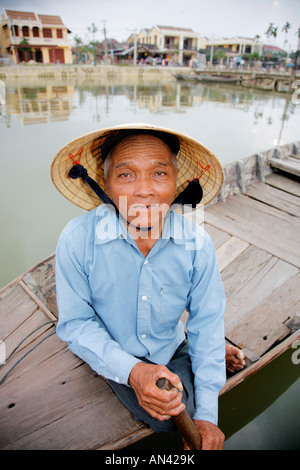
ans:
(205, 327)
(79, 325)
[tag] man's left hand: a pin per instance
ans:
(212, 437)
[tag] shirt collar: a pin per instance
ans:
(109, 227)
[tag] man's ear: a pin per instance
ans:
(105, 182)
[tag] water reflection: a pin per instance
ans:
(46, 103)
(43, 104)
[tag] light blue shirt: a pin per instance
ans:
(116, 306)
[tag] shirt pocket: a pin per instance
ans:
(173, 302)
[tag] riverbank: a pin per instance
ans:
(276, 81)
(120, 74)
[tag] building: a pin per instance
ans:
(234, 47)
(27, 36)
(179, 44)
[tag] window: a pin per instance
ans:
(25, 31)
(47, 32)
(15, 30)
(36, 32)
(59, 33)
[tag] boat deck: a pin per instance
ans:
(50, 399)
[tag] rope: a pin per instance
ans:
(28, 352)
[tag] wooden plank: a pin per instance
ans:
(218, 236)
(264, 325)
(268, 357)
(268, 228)
(33, 328)
(248, 280)
(15, 308)
(38, 302)
(290, 165)
(229, 251)
(92, 426)
(285, 184)
(275, 198)
(52, 400)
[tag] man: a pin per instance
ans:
(127, 270)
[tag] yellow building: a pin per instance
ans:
(180, 43)
(235, 46)
(27, 36)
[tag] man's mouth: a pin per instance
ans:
(144, 207)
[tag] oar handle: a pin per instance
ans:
(183, 421)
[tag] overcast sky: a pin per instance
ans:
(218, 18)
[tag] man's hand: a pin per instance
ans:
(212, 436)
(160, 404)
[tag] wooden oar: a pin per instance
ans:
(183, 422)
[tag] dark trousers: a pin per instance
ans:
(180, 364)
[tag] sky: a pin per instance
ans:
(211, 18)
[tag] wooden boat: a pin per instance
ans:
(50, 399)
(189, 78)
(218, 79)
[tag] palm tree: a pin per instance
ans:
(285, 29)
(272, 30)
(93, 29)
(298, 48)
(78, 45)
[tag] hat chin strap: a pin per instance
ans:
(191, 195)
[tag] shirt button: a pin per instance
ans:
(144, 336)
(117, 379)
(146, 262)
(144, 297)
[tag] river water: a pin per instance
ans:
(39, 117)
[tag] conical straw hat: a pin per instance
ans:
(194, 160)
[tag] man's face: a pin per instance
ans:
(142, 179)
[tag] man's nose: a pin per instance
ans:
(144, 186)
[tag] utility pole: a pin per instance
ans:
(105, 42)
(134, 52)
(212, 52)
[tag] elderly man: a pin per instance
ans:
(128, 269)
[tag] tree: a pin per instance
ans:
(78, 44)
(272, 30)
(220, 55)
(93, 29)
(297, 53)
(285, 29)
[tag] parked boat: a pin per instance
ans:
(189, 78)
(50, 399)
(208, 78)
(218, 79)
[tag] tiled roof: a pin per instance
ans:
(21, 15)
(51, 19)
(173, 28)
(30, 16)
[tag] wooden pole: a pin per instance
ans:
(183, 422)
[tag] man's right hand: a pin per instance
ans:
(160, 404)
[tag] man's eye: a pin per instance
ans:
(161, 173)
(124, 175)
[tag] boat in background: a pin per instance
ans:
(219, 79)
(204, 78)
